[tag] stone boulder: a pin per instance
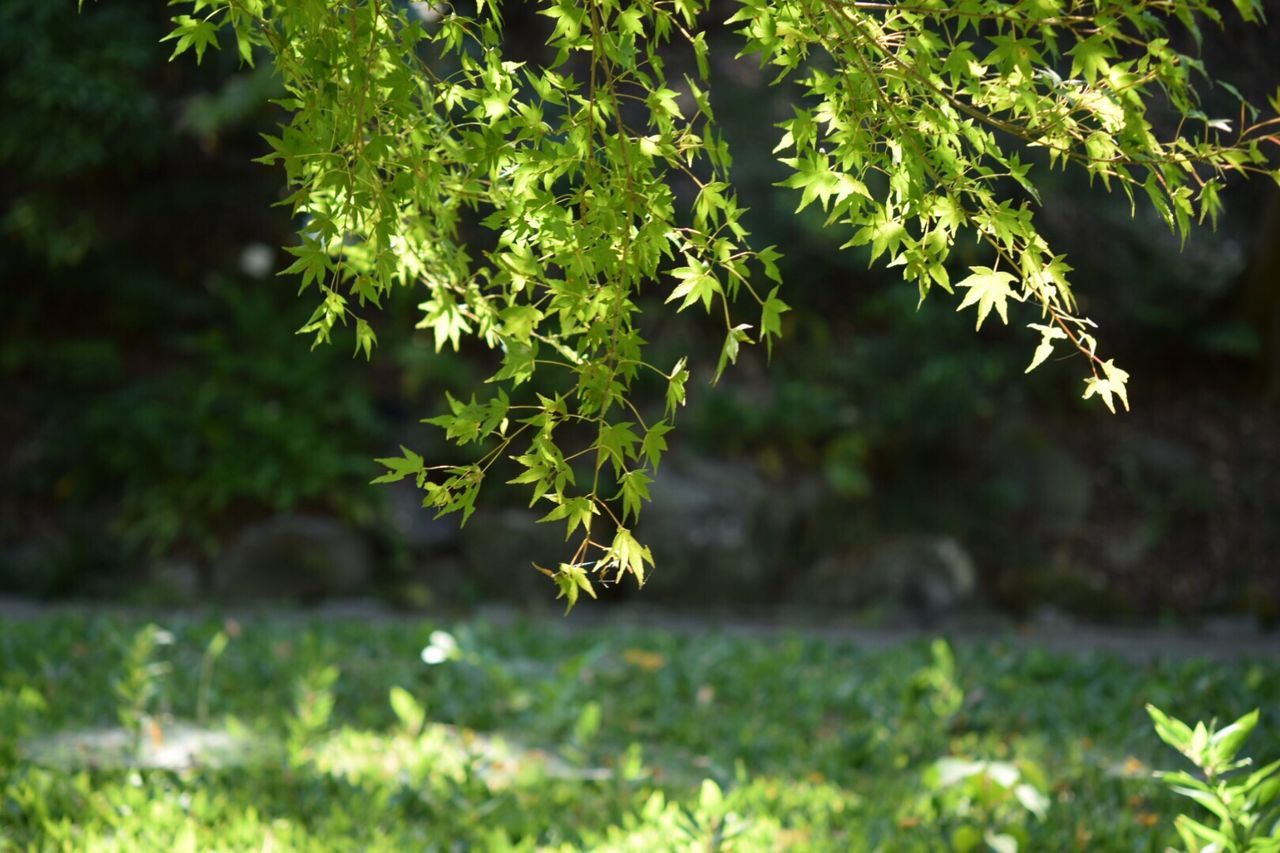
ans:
(720, 531)
(296, 557)
(500, 546)
(925, 575)
(416, 526)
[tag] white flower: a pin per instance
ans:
(441, 646)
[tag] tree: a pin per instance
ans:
(596, 174)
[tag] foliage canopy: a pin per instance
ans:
(593, 173)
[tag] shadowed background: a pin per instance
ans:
(165, 437)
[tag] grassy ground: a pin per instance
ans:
(531, 736)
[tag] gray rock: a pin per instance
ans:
(176, 580)
(928, 575)
(719, 528)
(715, 528)
(499, 548)
(1162, 455)
(1127, 546)
(416, 526)
(1053, 486)
(22, 568)
(1232, 627)
(293, 557)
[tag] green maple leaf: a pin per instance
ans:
(696, 283)
(635, 490)
(675, 387)
(988, 288)
(1048, 334)
(817, 181)
(1089, 58)
(400, 467)
(629, 555)
(771, 312)
(655, 443)
(570, 579)
(576, 511)
(1110, 384)
(191, 32)
(616, 443)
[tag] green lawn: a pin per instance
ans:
(535, 736)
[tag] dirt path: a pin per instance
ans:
(1221, 640)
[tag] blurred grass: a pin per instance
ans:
(535, 736)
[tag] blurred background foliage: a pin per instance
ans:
(165, 434)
